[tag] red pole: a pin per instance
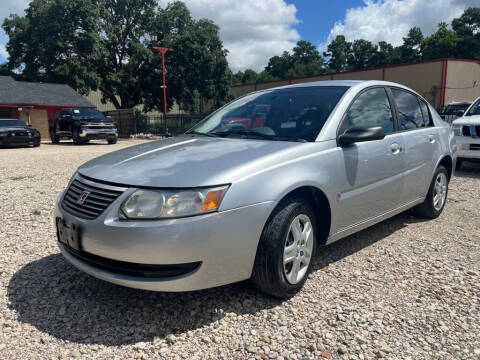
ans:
(163, 51)
(164, 94)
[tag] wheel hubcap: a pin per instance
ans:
(440, 191)
(297, 252)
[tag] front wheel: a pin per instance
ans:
(112, 141)
(286, 249)
(436, 198)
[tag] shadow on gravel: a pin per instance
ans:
(58, 299)
(469, 170)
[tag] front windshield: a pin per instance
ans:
(88, 113)
(281, 114)
(12, 123)
(475, 109)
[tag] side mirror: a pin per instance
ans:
(460, 113)
(29, 125)
(360, 134)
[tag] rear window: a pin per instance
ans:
(12, 123)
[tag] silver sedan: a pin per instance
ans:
(253, 190)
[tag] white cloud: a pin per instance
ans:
(9, 7)
(390, 20)
(251, 30)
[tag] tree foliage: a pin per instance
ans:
(105, 44)
(462, 40)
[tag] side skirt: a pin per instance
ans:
(371, 221)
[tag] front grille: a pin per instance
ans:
(474, 146)
(98, 198)
(134, 269)
(106, 127)
(466, 131)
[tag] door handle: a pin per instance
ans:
(395, 148)
(431, 138)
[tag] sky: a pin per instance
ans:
(255, 30)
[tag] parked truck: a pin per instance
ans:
(82, 125)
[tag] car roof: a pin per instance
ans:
(347, 83)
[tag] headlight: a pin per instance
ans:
(164, 204)
(457, 130)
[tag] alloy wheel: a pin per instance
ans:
(298, 248)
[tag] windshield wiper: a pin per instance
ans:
(200, 133)
(243, 132)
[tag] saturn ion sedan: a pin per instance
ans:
(253, 190)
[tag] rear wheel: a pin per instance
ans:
(112, 141)
(436, 198)
(286, 249)
(37, 144)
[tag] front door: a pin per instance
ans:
(370, 180)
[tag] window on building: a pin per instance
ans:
(6, 113)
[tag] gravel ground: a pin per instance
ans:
(404, 289)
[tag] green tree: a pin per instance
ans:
(385, 54)
(55, 41)
(249, 76)
(411, 50)
(363, 54)
(441, 44)
(279, 65)
(337, 52)
(105, 45)
(467, 28)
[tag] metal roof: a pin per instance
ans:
(42, 94)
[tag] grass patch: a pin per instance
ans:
(36, 212)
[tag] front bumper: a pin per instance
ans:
(224, 245)
(100, 134)
(468, 147)
(18, 141)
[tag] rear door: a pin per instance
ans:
(421, 142)
(370, 183)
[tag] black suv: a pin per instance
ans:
(82, 125)
(17, 133)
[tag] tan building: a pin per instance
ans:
(440, 81)
(95, 97)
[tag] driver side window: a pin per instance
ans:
(370, 109)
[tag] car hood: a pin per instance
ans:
(187, 161)
(467, 120)
(14, 128)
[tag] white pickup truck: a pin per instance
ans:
(467, 134)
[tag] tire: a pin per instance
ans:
(76, 137)
(55, 138)
(271, 274)
(428, 209)
(112, 141)
(36, 144)
(458, 165)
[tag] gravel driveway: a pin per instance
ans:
(404, 289)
